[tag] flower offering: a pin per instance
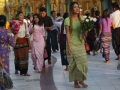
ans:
(88, 23)
(16, 25)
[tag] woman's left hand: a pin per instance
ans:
(27, 36)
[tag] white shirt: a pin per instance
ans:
(58, 18)
(23, 31)
(58, 24)
(54, 26)
(116, 18)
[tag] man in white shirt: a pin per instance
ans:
(59, 18)
(116, 33)
(53, 32)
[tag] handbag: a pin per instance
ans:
(5, 79)
(45, 54)
(97, 45)
(87, 47)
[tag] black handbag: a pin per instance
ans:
(96, 45)
(5, 79)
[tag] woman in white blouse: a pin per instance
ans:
(21, 48)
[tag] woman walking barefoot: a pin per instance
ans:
(37, 42)
(105, 33)
(21, 48)
(76, 53)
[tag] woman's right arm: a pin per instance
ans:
(67, 28)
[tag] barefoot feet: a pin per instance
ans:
(83, 84)
(76, 85)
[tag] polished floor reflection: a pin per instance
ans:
(101, 76)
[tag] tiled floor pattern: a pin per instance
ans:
(101, 76)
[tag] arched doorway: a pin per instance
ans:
(27, 10)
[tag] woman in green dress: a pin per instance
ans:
(76, 53)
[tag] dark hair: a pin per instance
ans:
(42, 9)
(58, 14)
(65, 15)
(106, 14)
(28, 16)
(52, 12)
(25, 17)
(2, 20)
(115, 5)
(40, 20)
(19, 12)
(97, 13)
(71, 14)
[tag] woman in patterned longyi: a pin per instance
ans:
(105, 33)
(76, 53)
(22, 46)
(6, 39)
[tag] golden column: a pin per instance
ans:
(114, 0)
(86, 4)
(37, 9)
(62, 7)
(65, 8)
(23, 10)
(33, 7)
(52, 4)
(31, 10)
(57, 5)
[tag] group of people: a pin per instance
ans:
(37, 32)
(105, 30)
(40, 33)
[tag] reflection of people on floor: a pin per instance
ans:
(54, 33)
(37, 42)
(62, 41)
(105, 33)
(76, 53)
(48, 24)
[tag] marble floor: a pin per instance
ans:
(100, 76)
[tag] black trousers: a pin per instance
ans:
(54, 40)
(117, 39)
(114, 43)
(48, 47)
